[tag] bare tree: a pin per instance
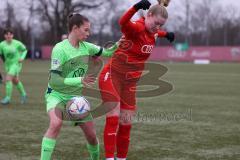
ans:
(56, 12)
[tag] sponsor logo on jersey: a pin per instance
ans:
(147, 49)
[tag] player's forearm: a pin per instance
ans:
(127, 16)
(110, 51)
(56, 81)
(23, 55)
(73, 81)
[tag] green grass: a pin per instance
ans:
(198, 120)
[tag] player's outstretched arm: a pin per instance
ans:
(108, 52)
(97, 51)
(125, 20)
(170, 36)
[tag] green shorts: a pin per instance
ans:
(13, 69)
(55, 99)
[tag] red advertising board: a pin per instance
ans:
(213, 54)
(46, 52)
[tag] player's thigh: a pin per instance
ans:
(109, 91)
(128, 96)
(56, 117)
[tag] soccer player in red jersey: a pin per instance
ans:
(120, 75)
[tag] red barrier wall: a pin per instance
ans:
(46, 52)
(215, 54)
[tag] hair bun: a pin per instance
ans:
(165, 3)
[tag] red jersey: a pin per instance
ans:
(138, 44)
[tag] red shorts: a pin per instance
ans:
(116, 87)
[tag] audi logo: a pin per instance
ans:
(147, 49)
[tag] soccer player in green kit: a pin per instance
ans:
(68, 68)
(13, 52)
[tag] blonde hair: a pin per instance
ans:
(158, 10)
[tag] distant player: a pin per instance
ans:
(122, 73)
(1, 79)
(13, 52)
(64, 36)
(69, 64)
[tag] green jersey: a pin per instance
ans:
(68, 64)
(12, 52)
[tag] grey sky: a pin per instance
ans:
(175, 8)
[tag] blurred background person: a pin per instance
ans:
(13, 53)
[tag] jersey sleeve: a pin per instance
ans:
(95, 50)
(127, 26)
(92, 49)
(162, 33)
(22, 49)
(57, 58)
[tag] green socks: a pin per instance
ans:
(9, 87)
(48, 145)
(21, 89)
(94, 151)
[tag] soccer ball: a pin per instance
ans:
(77, 108)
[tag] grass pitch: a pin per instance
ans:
(198, 120)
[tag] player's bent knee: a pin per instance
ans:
(114, 108)
(92, 139)
(56, 124)
(54, 129)
(15, 81)
(126, 117)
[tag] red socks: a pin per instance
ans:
(123, 140)
(110, 132)
(112, 137)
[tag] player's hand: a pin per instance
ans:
(170, 36)
(20, 60)
(143, 4)
(89, 80)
